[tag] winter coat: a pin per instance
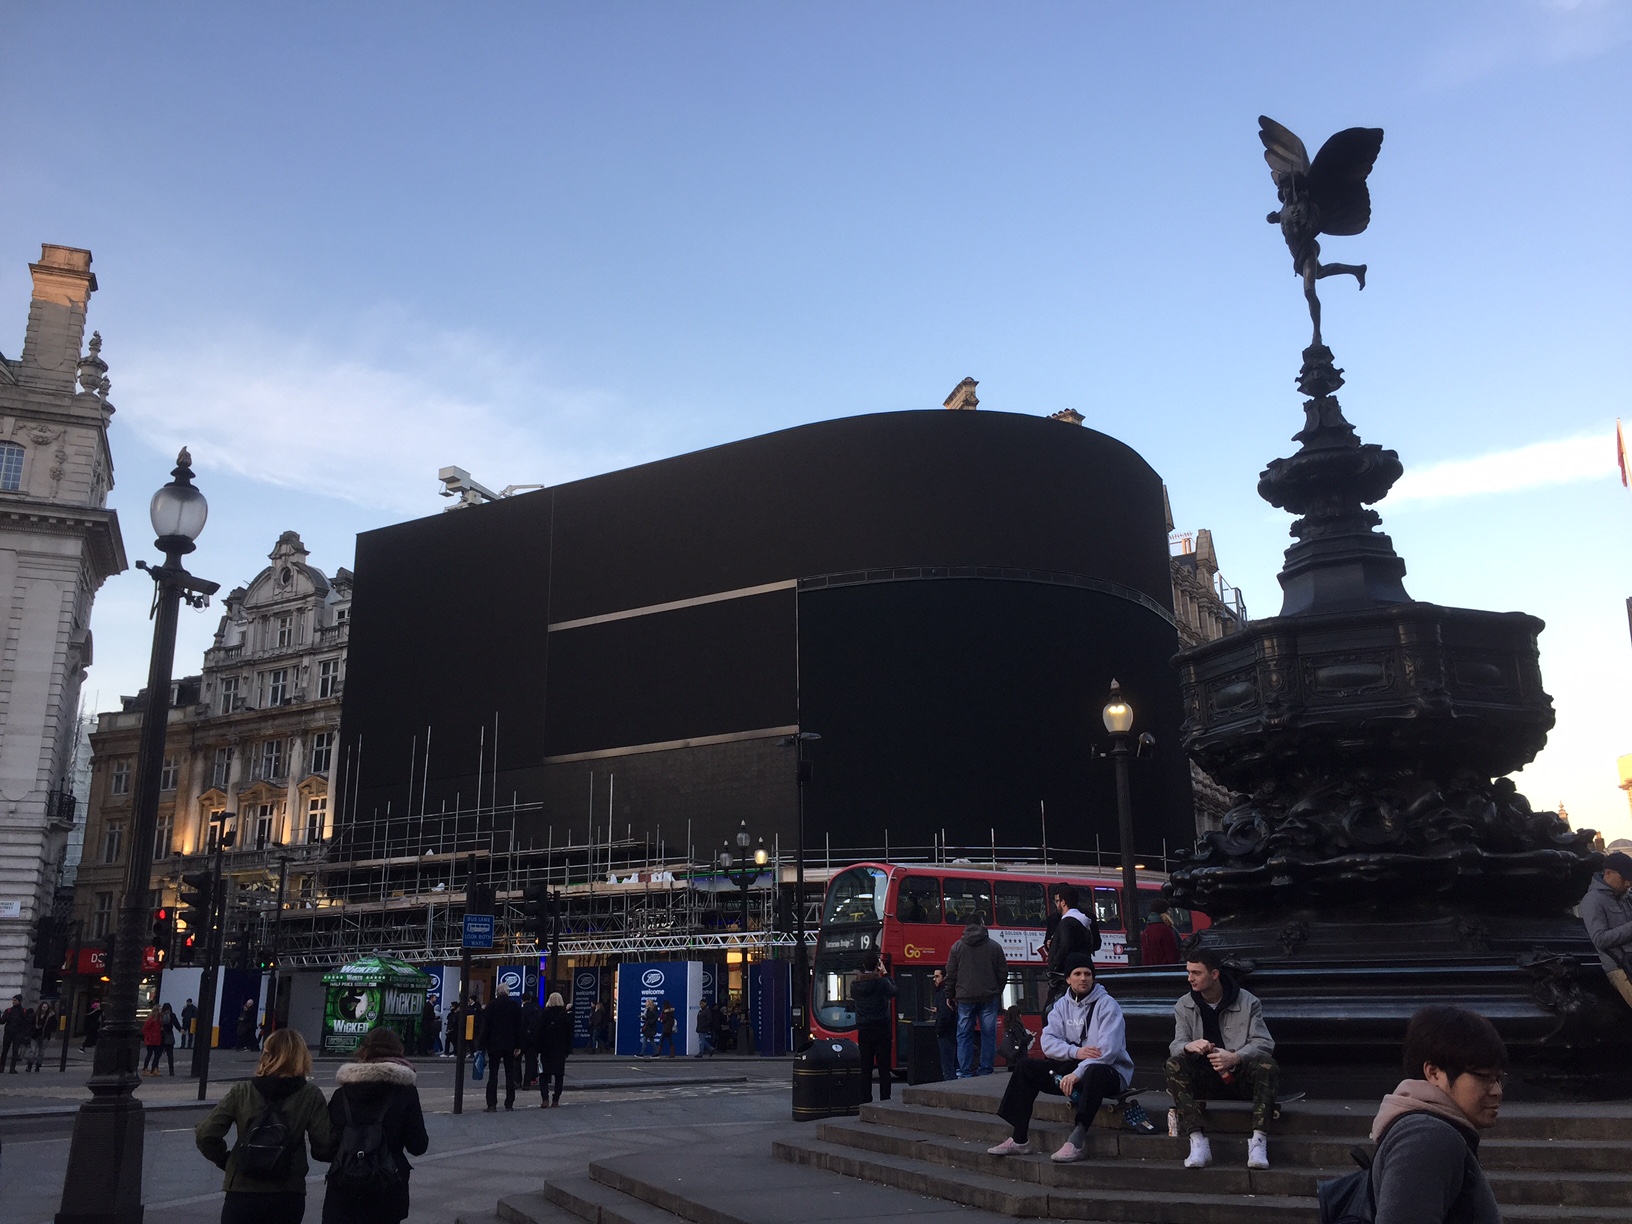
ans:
(554, 1038)
(383, 1089)
(1158, 944)
(1608, 920)
(871, 994)
(976, 969)
(501, 1027)
(17, 1020)
(531, 1017)
(1071, 1025)
(304, 1111)
(1076, 933)
(668, 1021)
(648, 1023)
(946, 1012)
(168, 1031)
(1426, 1170)
(1240, 1023)
(152, 1030)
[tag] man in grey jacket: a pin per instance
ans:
(1607, 912)
(976, 972)
(1221, 1048)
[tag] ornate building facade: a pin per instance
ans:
(1206, 609)
(58, 543)
(249, 751)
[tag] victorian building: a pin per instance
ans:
(1205, 608)
(249, 752)
(58, 543)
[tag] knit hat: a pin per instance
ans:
(1077, 960)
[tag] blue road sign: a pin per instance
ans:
(478, 930)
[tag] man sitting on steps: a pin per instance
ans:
(1221, 1048)
(1085, 1043)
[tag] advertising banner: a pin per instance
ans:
(713, 976)
(677, 982)
(512, 977)
(768, 1011)
(586, 988)
(374, 992)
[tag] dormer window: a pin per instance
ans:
(11, 467)
(285, 630)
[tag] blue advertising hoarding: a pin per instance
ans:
(769, 1013)
(586, 988)
(678, 982)
(514, 977)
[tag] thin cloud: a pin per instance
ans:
(1496, 37)
(1563, 461)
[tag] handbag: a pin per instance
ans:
(478, 1066)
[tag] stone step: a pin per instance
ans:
(491, 1217)
(1036, 1200)
(1230, 1148)
(587, 1199)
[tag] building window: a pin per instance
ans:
(272, 758)
(285, 631)
(322, 752)
(161, 836)
(317, 816)
(167, 775)
(264, 820)
(218, 826)
(342, 615)
(11, 467)
(120, 784)
(230, 697)
(275, 685)
(113, 836)
(221, 773)
(328, 678)
(102, 915)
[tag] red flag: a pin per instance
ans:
(1620, 452)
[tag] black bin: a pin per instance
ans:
(921, 1051)
(827, 1081)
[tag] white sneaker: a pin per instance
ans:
(1258, 1151)
(1069, 1153)
(1201, 1152)
(1009, 1148)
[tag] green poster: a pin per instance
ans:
(375, 992)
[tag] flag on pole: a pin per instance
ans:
(1620, 452)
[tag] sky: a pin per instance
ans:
(342, 246)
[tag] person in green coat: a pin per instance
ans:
(281, 1078)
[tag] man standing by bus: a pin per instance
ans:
(976, 972)
(1076, 934)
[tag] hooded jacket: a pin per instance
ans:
(384, 1089)
(1240, 1023)
(1064, 1035)
(1427, 1165)
(976, 969)
(1608, 920)
(303, 1110)
(1076, 932)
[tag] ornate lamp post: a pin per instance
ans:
(1118, 715)
(751, 864)
(801, 955)
(104, 1178)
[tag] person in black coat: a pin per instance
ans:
(500, 1028)
(379, 1086)
(531, 1018)
(554, 1044)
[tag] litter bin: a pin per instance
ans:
(921, 1051)
(826, 1081)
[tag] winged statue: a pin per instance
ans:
(1326, 196)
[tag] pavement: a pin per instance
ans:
(611, 1107)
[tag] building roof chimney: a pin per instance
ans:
(963, 398)
(1069, 415)
(63, 284)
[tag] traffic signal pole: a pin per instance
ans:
(277, 930)
(213, 933)
(67, 1016)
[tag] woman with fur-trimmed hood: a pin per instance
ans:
(378, 1087)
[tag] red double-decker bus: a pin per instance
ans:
(915, 912)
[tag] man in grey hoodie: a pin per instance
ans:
(1426, 1170)
(1606, 911)
(976, 972)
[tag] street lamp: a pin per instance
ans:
(1118, 715)
(104, 1178)
(750, 863)
(801, 961)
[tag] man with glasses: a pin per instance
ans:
(1606, 911)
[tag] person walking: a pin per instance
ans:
(189, 1023)
(152, 1042)
(453, 1034)
(14, 1022)
(597, 1017)
(945, 1015)
(246, 1025)
(554, 1044)
(1426, 1169)
(1606, 911)
(873, 993)
(650, 1021)
(705, 1030)
(669, 1023)
(45, 1019)
(501, 1036)
(1159, 942)
(276, 1114)
(976, 971)
(367, 1182)
(428, 1026)
(93, 1026)
(169, 1026)
(531, 1017)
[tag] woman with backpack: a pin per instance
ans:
(375, 1117)
(554, 1044)
(276, 1113)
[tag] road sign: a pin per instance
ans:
(478, 930)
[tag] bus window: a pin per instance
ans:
(1021, 905)
(968, 901)
(834, 1008)
(1027, 986)
(856, 896)
(1108, 909)
(919, 900)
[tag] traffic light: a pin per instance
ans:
(264, 960)
(235, 953)
(185, 949)
(164, 930)
(533, 904)
(195, 904)
(46, 953)
(554, 912)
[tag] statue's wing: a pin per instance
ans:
(1337, 180)
(1282, 150)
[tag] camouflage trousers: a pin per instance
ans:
(1190, 1076)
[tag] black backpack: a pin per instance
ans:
(267, 1150)
(363, 1168)
(1349, 1199)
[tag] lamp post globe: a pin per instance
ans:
(178, 510)
(1118, 718)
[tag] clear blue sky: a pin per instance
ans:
(341, 246)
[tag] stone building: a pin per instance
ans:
(250, 751)
(1206, 608)
(58, 543)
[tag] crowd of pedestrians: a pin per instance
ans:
(25, 1033)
